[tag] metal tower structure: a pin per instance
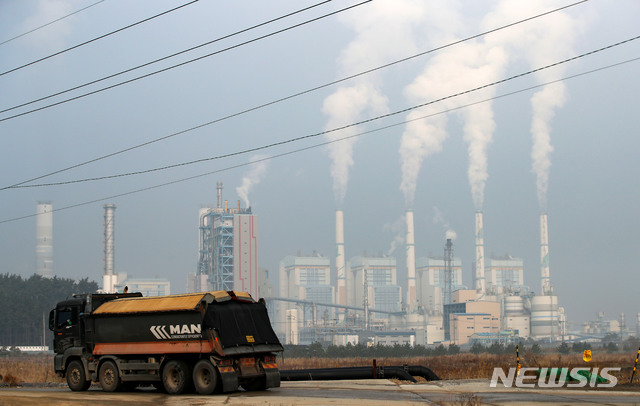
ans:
(448, 272)
(227, 257)
(222, 275)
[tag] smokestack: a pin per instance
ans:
(479, 276)
(109, 276)
(219, 188)
(44, 239)
(340, 262)
(544, 256)
(411, 263)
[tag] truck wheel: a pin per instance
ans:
(110, 377)
(76, 378)
(205, 377)
(254, 384)
(176, 377)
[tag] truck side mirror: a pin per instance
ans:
(52, 319)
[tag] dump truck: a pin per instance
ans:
(208, 342)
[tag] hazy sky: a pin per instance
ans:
(570, 147)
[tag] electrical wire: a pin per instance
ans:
(164, 58)
(49, 23)
(97, 38)
(131, 192)
(284, 98)
(314, 135)
(186, 62)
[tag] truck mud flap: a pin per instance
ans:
(272, 378)
(229, 379)
(57, 363)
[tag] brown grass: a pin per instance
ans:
(471, 366)
(16, 370)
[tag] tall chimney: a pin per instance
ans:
(411, 263)
(340, 261)
(219, 188)
(44, 239)
(544, 256)
(109, 275)
(479, 276)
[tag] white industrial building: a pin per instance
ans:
(373, 283)
(504, 274)
(430, 273)
(228, 249)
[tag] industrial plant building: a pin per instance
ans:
(373, 282)
(228, 249)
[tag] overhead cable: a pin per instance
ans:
(164, 58)
(97, 38)
(282, 99)
(314, 135)
(186, 62)
(131, 192)
(50, 22)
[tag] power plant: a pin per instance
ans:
(368, 305)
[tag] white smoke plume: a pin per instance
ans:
(398, 229)
(344, 107)
(539, 43)
(253, 177)
(450, 235)
(439, 219)
(379, 28)
(462, 67)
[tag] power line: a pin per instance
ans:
(314, 135)
(164, 58)
(186, 62)
(49, 23)
(285, 98)
(323, 143)
(97, 38)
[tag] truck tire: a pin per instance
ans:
(76, 377)
(205, 377)
(176, 377)
(254, 384)
(110, 377)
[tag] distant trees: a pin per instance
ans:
(25, 306)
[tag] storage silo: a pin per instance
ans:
(544, 316)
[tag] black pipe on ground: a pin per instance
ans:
(420, 370)
(389, 372)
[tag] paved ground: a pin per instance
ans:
(365, 392)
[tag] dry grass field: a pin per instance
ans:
(16, 370)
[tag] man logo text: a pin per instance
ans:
(177, 331)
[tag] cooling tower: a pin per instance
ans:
(109, 277)
(411, 263)
(340, 261)
(44, 240)
(544, 256)
(479, 275)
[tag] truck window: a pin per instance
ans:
(66, 317)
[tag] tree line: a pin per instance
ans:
(317, 350)
(25, 306)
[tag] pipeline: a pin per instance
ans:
(404, 373)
